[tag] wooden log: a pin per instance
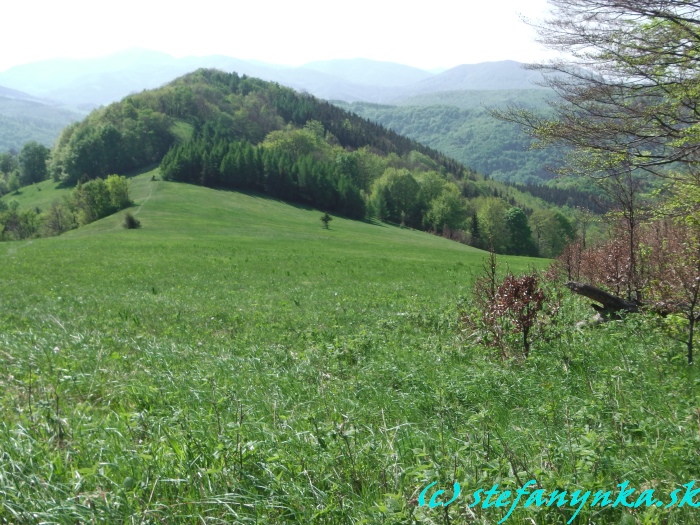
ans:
(612, 304)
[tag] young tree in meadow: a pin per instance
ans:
(32, 163)
(325, 219)
(520, 300)
(118, 188)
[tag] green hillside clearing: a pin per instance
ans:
(234, 362)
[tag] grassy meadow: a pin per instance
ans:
(234, 362)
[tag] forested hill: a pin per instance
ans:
(458, 124)
(141, 128)
(229, 131)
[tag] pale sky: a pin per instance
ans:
(430, 34)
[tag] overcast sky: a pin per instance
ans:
(428, 34)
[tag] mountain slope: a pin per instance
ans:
(458, 124)
(506, 74)
(25, 118)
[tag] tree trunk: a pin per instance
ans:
(611, 303)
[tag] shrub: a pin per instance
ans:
(325, 219)
(509, 314)
(131, 222)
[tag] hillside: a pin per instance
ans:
(458, 124)
(232, 361)
(224, 131)
(25, 118)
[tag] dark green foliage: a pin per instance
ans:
(396, 197)
(325, 219)
(572, 197)
(92, 201)
(86, 203)
(9, 172)
(131, 222)
(98, 198)
(16, 224)
(521, 242)
(241, 166)
(59, 218)
(8, 163)
(32, 163)
(115, 139)
(552, 232)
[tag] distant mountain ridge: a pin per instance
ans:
(8, 93)
(371, 72)
(87, 83)
(506, 74)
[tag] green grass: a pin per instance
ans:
(40, 195)
(234, 362)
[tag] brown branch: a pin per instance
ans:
(611, 303)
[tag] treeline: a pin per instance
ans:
(24, 168)
(87, 203)
(308, 165)
(571, 197)
(23, 121)
(293, 165)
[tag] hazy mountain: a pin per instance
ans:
(13, 94)
(506, 74)
(24, 118)
(371, 72)
(87, 83)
